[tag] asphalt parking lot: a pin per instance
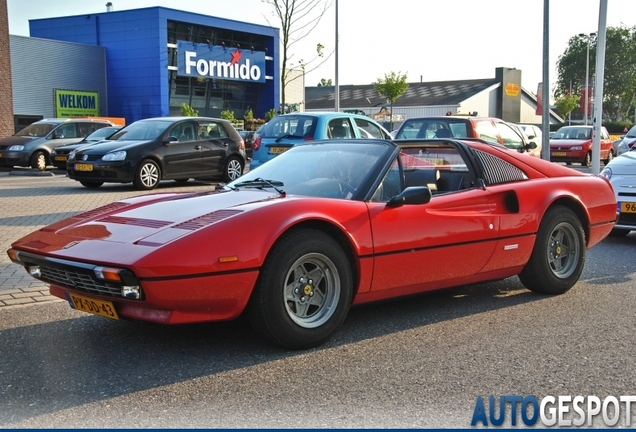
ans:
(30, 200)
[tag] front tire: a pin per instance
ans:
(588, 160)
(39, 161)
(91, 184)
(558, 256)
(610, 156)
(304, 291)
(148, 175)
(233, 169)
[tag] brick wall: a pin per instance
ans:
(6, 93)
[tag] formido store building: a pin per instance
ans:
(143, 63)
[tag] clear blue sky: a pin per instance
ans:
(429, 40)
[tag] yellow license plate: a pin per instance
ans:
(278, 150)
(559, 153)
(83, 167)
(628, 207)
(61, 158)
(91, 305)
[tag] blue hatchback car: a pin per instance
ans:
(286, 130)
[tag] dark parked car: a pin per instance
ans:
(148, 151)
(32, 146)
(59, 155)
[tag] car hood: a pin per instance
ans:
(101, 148)
(624, 164)
(568, 142)
(70, 147)
(15, 140)
(149, 220)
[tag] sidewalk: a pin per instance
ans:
(30, 200)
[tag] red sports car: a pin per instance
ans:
(326, 225)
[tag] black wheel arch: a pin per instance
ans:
(579, 211)
(156, 159)
(337, 234)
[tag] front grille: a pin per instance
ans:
(76, 275)
(627, 219)
(79, 281)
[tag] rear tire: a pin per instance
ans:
(233, 169)
(148, 175)
(39, 161)
(558, 256)
(304, 291)
(610, 156)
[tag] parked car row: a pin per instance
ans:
(94, 151)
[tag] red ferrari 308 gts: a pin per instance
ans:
(326, 225)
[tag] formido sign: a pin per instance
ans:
(74, 103)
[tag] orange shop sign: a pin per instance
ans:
(512, 89)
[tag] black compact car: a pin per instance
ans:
(148, 151)
(59, 155)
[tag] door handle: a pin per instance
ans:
(197, 147)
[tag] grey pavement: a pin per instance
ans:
(30, 200)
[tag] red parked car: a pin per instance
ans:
(324, 226)
(574, 144)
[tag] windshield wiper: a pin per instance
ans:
(261, 183)
(279, 139)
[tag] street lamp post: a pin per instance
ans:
(587, 74)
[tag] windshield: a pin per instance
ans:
(290, 126)
(573, 132)
(143, 130)
(100, 134)
(322, 169)
(631, 133)
(37, 130)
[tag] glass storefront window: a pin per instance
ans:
(207, 95)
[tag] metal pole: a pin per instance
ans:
(598, 88)
(337, 87)
(587, 80)
(545, 88)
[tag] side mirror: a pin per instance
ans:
(171, 139)
(411, 195)
(532, 145)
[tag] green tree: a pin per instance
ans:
(567, 103)
(391, 87)
(619, 86)
(325, 82)
(188, 111)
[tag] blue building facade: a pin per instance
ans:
(145, 71)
